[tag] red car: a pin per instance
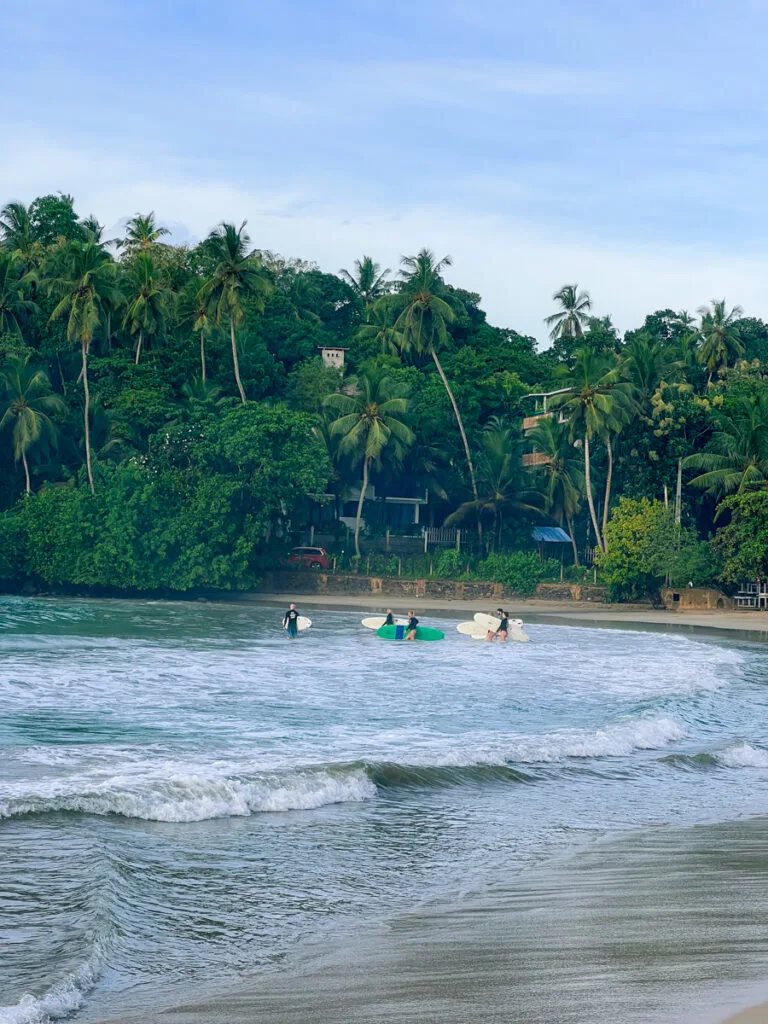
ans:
(310, 558)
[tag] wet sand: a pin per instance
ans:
(662, 926)
(550, 612)
(754, 1015)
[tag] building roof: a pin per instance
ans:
(550, 535)
(335, 348)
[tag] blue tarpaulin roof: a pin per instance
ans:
(550, 535)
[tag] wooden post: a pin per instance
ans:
(431, 567)
(426, 543)
(458, 540)
(312, 534)
(399, 567)
(388, 547)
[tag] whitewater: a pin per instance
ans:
(187, 797)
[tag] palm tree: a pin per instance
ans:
(368, 281)
(722, 339)
(141, 233)
(28, 405)
(598, 404)
(86, 280)
(13, 282)
(504, 485)
(371, 419)
(16, 231)
(381, 329)
(562, 473)
(569, 321)
(147, 301)
(647, 363)
(422, 323)
(239, 276)
(737, 459)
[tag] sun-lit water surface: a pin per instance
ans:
(186, 794)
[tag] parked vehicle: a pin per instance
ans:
(310, 558)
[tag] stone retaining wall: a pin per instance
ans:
(397, 586)
(689, 598)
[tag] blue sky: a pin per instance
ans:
(617, 144)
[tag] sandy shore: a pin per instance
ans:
(550, 612)
(754, 1015)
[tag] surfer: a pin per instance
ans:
(503, 629)
(493, 633)
(291, 621)
(412, 624)
(390, 619)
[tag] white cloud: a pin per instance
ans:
(514, 264)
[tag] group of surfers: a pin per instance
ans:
(291, 624)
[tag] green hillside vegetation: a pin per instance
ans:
(166, 421)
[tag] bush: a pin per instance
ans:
(450, 564)
(521, 570)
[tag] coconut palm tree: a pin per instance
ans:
(148, 301)
(721, 337)
(561, 476)
(646, 363)
(737, 455)
(597, 405)
(381, 329)
(14, 280)
(141, 232)
(28, 407)
(422, 323)
(83, 280)
(239, 277)
(572, 316)
(16, 231)
(368, 281)
(371, 420)
(504, 485)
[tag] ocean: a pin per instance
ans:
(189, 800)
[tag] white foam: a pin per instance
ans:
(744, 755)
(188, 797)
(59, 1001)
(617, 740)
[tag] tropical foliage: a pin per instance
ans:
(167, 421)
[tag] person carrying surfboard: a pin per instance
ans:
(503, 629)
(390, 619)
(493, 633)
(291, 621)
(413, 622)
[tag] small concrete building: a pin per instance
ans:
(333, 355)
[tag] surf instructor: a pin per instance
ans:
(412, 624)
(291, 621)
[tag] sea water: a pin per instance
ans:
(188, 797)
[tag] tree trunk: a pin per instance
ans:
(363, 489)
(569, 521)
(202, 354)
(26, 470)
(109, 333)
(460, 423)
(138, 348)
(86, 413)
(590, 501)
(608, 481)
(235, 361)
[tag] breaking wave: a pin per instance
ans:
(60, 1001)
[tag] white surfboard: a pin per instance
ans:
(472, 629)
(515, 631)
(376, 621)
(303, 623)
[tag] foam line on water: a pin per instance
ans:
(59, 1001)
(190, 797)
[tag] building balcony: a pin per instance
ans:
(536, 459)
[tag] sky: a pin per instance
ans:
(619, 145)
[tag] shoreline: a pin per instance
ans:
(752, 1015)
(544, 612)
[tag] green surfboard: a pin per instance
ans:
(400, 633)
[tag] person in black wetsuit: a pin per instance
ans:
(503, 629)
(291, 621)
(412, 624)
(390, 619)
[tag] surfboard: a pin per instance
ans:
(515, 631)
(375, 621)
(400, 633)
(472, 629)
(303, 623)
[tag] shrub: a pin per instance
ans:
(521, 570)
